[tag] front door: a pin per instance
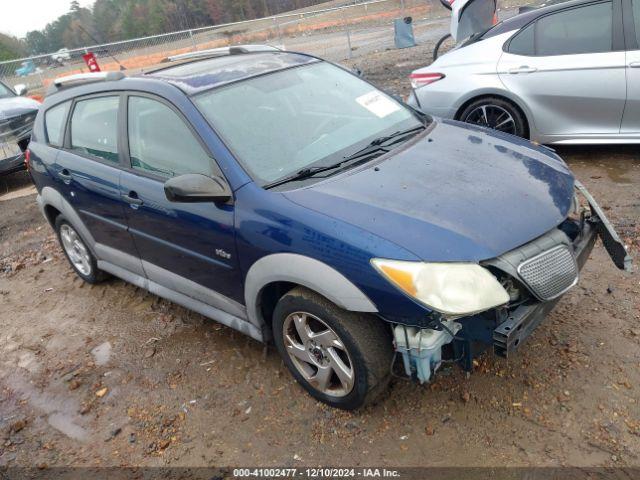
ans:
(186, 247)
(569, 68)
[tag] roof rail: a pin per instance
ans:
(80, 78)
(222, 51)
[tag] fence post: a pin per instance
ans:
(277, 25)
(402, 7)
(193, 41)
(42, 85)
(348, 32)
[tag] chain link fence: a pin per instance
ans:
(340, 31)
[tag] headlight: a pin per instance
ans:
(451, 288)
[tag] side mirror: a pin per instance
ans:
(195, 187)
(21, 89)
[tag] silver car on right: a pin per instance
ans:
(568, 73)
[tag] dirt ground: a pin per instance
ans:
(112, 375)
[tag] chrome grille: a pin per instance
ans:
(551, 273)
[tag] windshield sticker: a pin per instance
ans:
(378, 104)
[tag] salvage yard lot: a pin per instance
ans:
(112, 375)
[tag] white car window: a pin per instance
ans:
(523, 42)
(578, 30)
(636, 16)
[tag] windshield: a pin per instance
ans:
(5, 92)
(317, 114)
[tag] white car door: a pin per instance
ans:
(569, 69)
(631, 118)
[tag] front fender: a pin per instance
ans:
(305, 271)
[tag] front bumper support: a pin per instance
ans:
(524, 319)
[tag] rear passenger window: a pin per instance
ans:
(161, 143)
(578, 30)
(94, 127)
(54, 123)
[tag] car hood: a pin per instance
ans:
(16, 106)
(455, 193)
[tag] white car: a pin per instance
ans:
(61, 55)
(564, 74)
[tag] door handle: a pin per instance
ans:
(634, 64)
(65, 176)
(132, 199)
(523, 69)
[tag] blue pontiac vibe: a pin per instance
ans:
(288, 198)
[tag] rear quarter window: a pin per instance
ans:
(523, 42)
(54, 120)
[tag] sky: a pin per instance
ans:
(17, 17)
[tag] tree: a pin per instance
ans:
(37, 42)
(11, 47)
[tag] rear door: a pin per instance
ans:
(187, 247)
(569, 68)
(88, 170)
(631, 119)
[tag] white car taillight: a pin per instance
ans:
(421, 79)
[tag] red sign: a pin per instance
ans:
(92, 63)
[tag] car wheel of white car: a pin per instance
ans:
(341, 358)
(497, 114)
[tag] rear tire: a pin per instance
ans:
(78, 254)
(496, 113)
(341, 358)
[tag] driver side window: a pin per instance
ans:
(161, 143)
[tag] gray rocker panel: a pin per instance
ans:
(184, 300)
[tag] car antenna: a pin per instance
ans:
(122, 67)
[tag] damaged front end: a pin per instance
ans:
(15, 133)
(535, 276)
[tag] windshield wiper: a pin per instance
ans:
(379, 145)
(382, 143)
(312, 171)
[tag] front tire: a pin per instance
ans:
(341, 358)
(497, 114)
(75, 249)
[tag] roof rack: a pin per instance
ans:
(222, 52)
(81, 78)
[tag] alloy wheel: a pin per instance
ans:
(492, 116)
(318, 354)
(75, 249)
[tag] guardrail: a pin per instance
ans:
(336, 33)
